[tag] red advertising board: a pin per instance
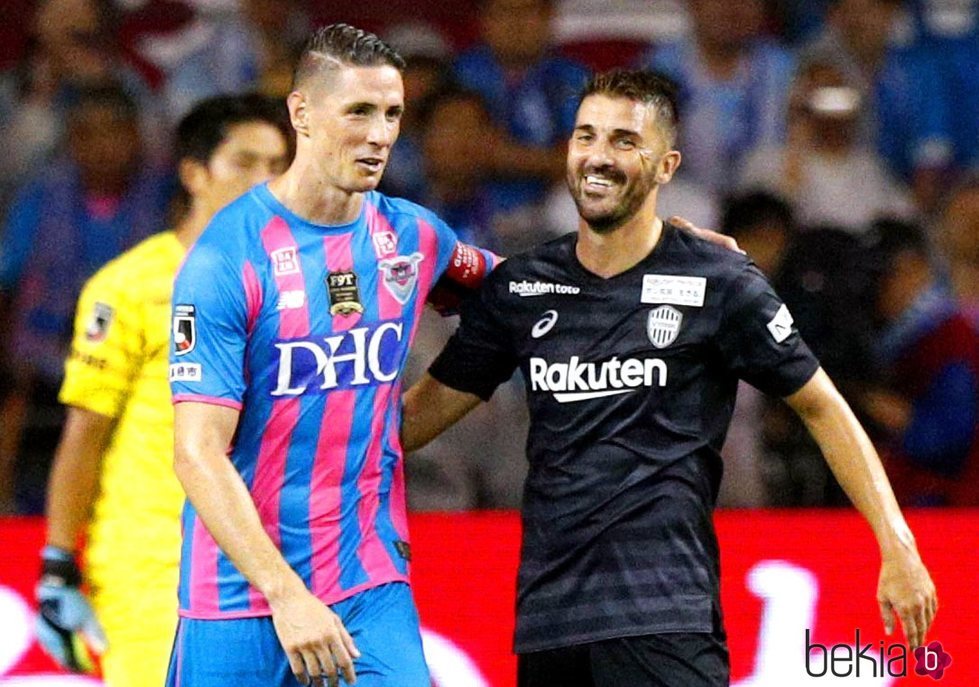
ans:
(783, 573)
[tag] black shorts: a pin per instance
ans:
(660, 660)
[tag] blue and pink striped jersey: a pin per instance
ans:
(305, 328)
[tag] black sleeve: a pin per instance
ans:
(758, 339)
(479, 356)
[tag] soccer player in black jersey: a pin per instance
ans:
(631, 336)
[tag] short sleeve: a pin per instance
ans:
(480, 355)
(758, 339)
(208, 338)
(447, 240)
(106, 348)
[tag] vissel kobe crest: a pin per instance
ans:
(400, 275)
(663, 325)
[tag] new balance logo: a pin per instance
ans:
(577, 381)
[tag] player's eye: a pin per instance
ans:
(584, 138)
(625, 144)
(394, 114)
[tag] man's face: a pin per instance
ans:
(960, 226)
(451, 140)
(352, 118)
(726, 24)
(518, 31)
(104, 143)
(251, 153)
(616, 157)
(865, 22)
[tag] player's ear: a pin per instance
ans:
(667, 167)
(298, 112)
(192, 175)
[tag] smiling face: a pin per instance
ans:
(347, 122)
(617, 156)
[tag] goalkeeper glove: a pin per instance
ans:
(66, 626)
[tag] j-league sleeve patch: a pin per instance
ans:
(98, 323)
(184, 329)
(781, 324)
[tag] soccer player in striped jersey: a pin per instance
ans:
(113, 474)
(632, 336)
(292, 318)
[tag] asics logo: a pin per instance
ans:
(544, 324)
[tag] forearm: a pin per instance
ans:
(852, 459)
(226, 508)
(74, 481)
(430, 408)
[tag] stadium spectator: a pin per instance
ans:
(949, 30)
(112, 480)
(959, 240)
(930, 351)
(823, 169)
(764, 227)
(427, 58)
(734, 87)
(629, 400)
(531, 91)
(255, 49)
(85, 209)
(906, 116)
(455, 185)
(72, 46)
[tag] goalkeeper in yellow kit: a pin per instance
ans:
(112, 478)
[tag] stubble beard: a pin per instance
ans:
(632, 196)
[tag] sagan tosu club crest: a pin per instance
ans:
(400, 275)
(663, 325)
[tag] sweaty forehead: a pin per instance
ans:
(602, 112)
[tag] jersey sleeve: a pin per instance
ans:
(758, 339)
(480, 355)
(207, 341)
(447, 241)
(106, 348)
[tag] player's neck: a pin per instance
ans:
(192, 225)
(307, 195)
(609, 254)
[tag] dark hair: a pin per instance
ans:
(343, 44)
(744, 212)
(111, 95)
(206, 126)
(889, 237)
(643, 86)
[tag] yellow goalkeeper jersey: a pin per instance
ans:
(118, 368)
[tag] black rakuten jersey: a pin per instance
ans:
(631, 384)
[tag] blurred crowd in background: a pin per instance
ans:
(838, 140)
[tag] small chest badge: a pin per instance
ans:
(344, 294)
(400, 274)
(663, 325)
